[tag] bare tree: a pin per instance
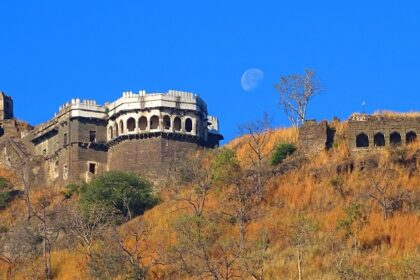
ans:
(140, 256)
(383, 189)
(189, 180)
(296, 92)
(15, 244)
(258, 136)
(88, 226)
(241, 204)
(302, 235)
(47, 229)
(200, 250)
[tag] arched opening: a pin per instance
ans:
(379, 140)
(395, 138)
(121, 127)
(111, 132)
(117, 130)
(411, 137)
(56, 169)
(177, 124)
(154, 122)
(143, 123)
(362, 141)
(167, 122)
(131, 124)
(188, 125)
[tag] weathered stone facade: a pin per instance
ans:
(367, 132)
(362, 132)
(137, 132)
(313, 137)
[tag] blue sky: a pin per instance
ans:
(52, 51)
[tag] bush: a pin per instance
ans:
(6, 192)
(281, 152)
(70, 190)
(128, 193)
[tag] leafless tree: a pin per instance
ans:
(383, 189)
(302, 235)
(258, 136)
(140, 256)
(256, 256)
(47, 229)
(201, 253)
(296, 92)
(86, 227)
(189, 180)
(242, 205)
(15, 244)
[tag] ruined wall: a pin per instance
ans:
(366, 132)
(313, 137)
(6, 107)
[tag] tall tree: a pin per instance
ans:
(259, 134)
(296, 92)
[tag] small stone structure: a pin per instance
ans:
(362, 132)
(139, 132)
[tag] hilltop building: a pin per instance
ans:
(362, 132)
(139, 132)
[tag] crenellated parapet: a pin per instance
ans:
(138, 132)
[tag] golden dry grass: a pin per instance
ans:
(304, 191)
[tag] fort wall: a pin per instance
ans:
(362, 132)
(138, 132)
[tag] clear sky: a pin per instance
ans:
(52, 51)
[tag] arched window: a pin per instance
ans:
(188, 125)
(411, 137)
(395, 138)
(56, 169)
(167, 122)
(143, 123)
(379, 140)
(131, 124)
(177, 124)
(111, 132)
(154, 122)
(121, 127)
(362, 141)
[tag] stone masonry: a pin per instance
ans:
(139, 132)
(362, 132)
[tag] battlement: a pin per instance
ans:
(145, 101)
(138, 132)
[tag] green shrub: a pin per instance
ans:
(128, 193)
(281, 152)
(71, 190)
(4, 199)
(6, 192)
(4, 183)
(225, 166)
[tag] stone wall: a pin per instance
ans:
(313, 137)
(371, 132)
(6, 107)
(148, 156)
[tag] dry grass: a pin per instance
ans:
(392, 114)
(306, 191)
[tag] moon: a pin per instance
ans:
(251, 79)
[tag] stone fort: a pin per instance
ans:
(138, 132)
(362, 132)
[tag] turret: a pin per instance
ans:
(6, 107)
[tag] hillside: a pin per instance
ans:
(224, 214)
